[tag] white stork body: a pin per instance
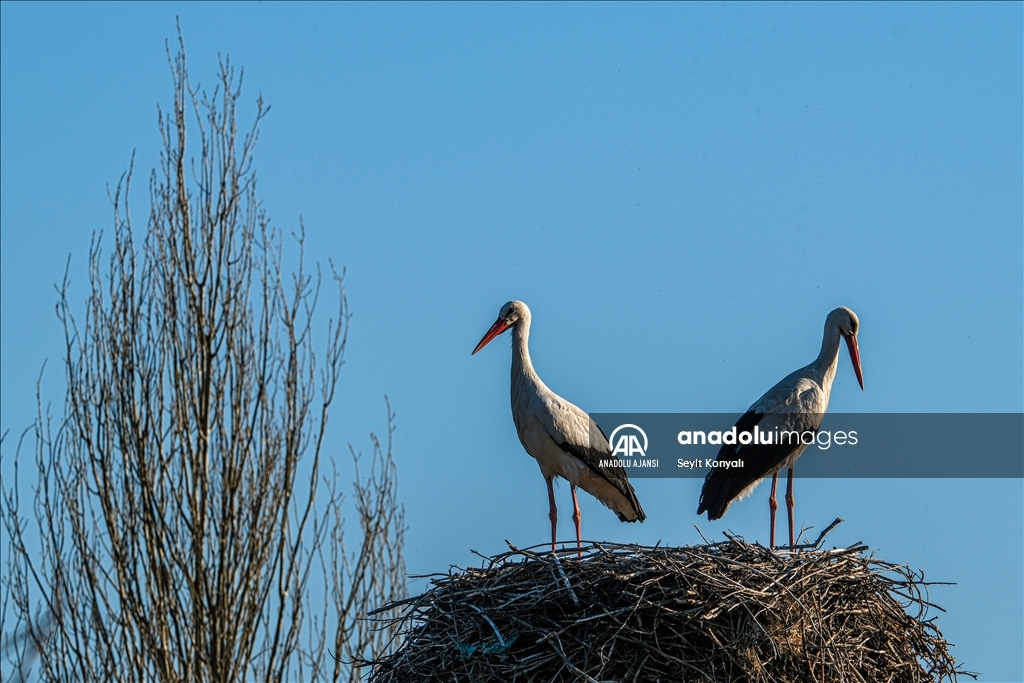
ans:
(561, 437)
(796, 404)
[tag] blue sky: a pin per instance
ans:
(680, 193)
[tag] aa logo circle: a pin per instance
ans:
(628, 441)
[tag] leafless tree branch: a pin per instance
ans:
(186, 510)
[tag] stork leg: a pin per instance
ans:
(553, 514)
(576, 518)
(790, 503)
(773, 505)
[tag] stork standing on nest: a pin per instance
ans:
(561, 437)
(797, 403)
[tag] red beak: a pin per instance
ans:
(851, 343)
(497, 328)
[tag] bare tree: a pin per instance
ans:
(185, 512)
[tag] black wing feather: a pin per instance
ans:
(615, 476)
(722, 485)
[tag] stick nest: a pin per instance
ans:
(728, 611)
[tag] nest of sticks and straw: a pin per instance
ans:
(728, 611)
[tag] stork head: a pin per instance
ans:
(510, 314)
(846, 322)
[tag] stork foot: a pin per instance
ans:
(790, 505)
(576, 518)
(773, 505)
(553, 516)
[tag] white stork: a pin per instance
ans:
(797, 403)
(561, 437)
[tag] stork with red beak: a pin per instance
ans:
(797, 403)
(561, 437)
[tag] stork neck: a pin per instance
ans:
(526, 385)
(521, 364)
(828, 359)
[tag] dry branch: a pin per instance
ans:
(183, 528)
